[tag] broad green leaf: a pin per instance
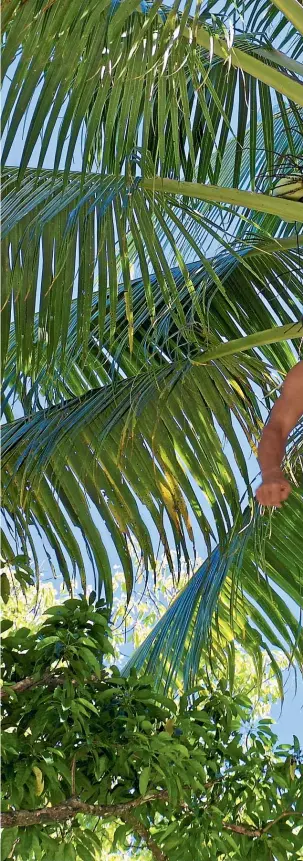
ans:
(144, 780)
(8, 839)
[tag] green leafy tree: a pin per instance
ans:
(25, 604)
(79, 740)
(132, 624)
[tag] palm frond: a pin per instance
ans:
(139, 337)
(230, 597)
(263, 18)
(212, 297)
(132, 449)
(292, 11)
(134, 75)
(65, 240)
(145, 468)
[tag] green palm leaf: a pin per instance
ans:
(108, 55)
(292, 11)
(229, 597)
(166, 446)
(149, 297)
(262, 18)
(215, 284)
(58, 240)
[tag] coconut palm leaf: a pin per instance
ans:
(46, 445)
(64, 240)
(292, 11)
(212, 309)
(213, 296)
(60, 240)
(168, 447)
(135, 74)
(231, 597)
(142, 336)
(266, 17)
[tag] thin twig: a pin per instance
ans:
(242, 829)
(73, 776)
(286, 813)
(143, 832)
(258, 832)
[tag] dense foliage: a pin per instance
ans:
(152, 302)
(141, 318)
(79, 739)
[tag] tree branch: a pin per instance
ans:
(68, 810)
(248, 199)
(72, 806)
(243, 829)
(29, 682)
(49, 679)
(143, 832)
(258, 832)
(286, 813)
(242, 60)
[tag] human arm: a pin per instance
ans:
(283, 418)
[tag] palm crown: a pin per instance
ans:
(149, 295)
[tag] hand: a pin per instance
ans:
(274, 489)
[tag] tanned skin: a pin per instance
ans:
(284, 416)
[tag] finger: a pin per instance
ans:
(271, 495)
(277, 497)
(285, 491)
(263, 497)
(280, 493)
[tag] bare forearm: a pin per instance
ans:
(271, 451)
(288, 408)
